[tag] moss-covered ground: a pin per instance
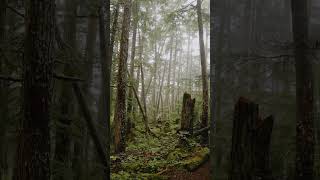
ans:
(152, 157)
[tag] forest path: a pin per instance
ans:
(202, 173)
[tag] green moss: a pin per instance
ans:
(200, 156)
(141, 176)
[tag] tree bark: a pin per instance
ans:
(304, 92)
(63, 137)
(103, 156)
(212, 91)
(114, 27)
(33, 151)
(205, 98)
(187, 113)
(132, 64)
(250, 152)
(168, 91)
(106, 62)
(120, 114)
(4, 88)
(146, 125)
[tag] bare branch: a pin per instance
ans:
(15, 11)
(9, 78)
(67, 78)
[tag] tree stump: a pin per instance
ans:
(251, 138)
(187, 113)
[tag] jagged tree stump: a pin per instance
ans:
(251, 138)
(187, 113)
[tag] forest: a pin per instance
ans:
(151, 90)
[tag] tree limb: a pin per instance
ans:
(9, 78)
(67, 78)
(15, 11)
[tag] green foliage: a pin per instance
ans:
(146, 156)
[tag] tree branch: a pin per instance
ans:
(67, 78)
(15, 11)
(9, 78)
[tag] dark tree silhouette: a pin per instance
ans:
(33, 151)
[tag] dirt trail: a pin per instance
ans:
(202, 173)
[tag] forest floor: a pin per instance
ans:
(202, 173)
(163, 157)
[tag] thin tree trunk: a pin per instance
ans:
(137, 83)
(212, 92)
(174, 67)
(121, 115)
(132, 64)
(33, 151)
(205, 98)
(160, 91)
(114, 27)
(304, 92)
(167, 95)
(146, 125)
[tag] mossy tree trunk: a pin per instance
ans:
(130, 108)
(120, 114)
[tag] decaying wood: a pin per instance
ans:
(187, 113)
(250, 143)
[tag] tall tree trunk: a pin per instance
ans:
(120, 115)
(63, 137)
(132, 64)
(174, 68)
(146, 125)
(3, 94)
(304, 92)
(219, 56)
(114, 27)
(137, 82)
(154, 79)
(205, 98)
(167, 100)
(106, 62)
(33, 151)
(161, 87)
(89, 68)
(212, 91)
(189, 54)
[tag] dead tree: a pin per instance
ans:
(187, 113)
(250, 143)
